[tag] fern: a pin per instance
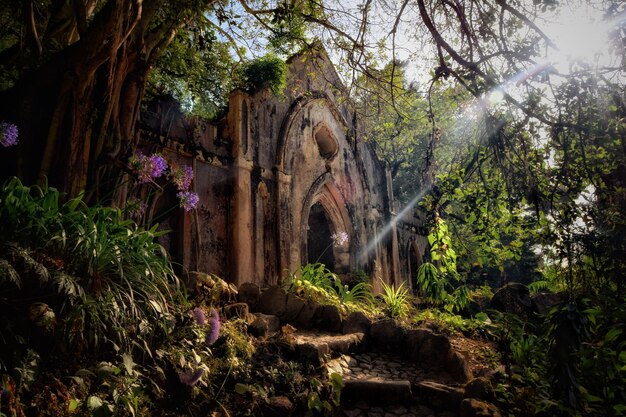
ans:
(540, 285)
(9, 274)
(68, 285)
(30, 263)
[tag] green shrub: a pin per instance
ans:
(266, 72)
(105, 280)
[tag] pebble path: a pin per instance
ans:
(383, 366)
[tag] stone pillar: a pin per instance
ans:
(283, 221)
(395, 253)
(241, 248)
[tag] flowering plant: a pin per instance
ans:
(148, 167)
(181, 176)
(339, 239)
(188, 200)
(8, 134)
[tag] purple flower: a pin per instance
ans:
(8, 134)
(199, 316)
(214, 328)
(148, 167)
(339, 239)
(135, 208)
(182, 177)
(188, 200)
(191, 378)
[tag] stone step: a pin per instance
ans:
(377, 392)
(319, 347)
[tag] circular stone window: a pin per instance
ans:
(326, 142)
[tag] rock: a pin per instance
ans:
(471, 407)
(387, 334)
(249, 293)
(314, 353)
(439, 396)
(357, 322)
(328, 317)
(273, 301)
(305, 317)
(237, 310)
(293, 307)
(513, 298)
(264, 325)
(434, 351)
(277, 407)
(480, 388)
(457, 366)
(376, 392)
(543, 302)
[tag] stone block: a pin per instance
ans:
(273, 301)
(249, 293)
(314, 353)
(480, 388)
(439, 396)
(304, 319)
(328, 317)
(277, 407)
(237, 310)
(387, 334)
(471, 407)
(264, 325)
(293, 308)
(382, 392)
(357, 322)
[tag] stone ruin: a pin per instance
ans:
(276, 177)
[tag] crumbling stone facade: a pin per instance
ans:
(276, 178)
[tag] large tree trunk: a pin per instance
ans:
(77, 113)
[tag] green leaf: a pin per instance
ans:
(73, 405)
(241, 388)
(612, 334)
(128, 362)
(94, 402)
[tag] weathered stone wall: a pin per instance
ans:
(273, 167)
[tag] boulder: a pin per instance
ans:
(293, 307)
(314, 352)
(249, 293)
(304, 319)
(277, 407)
(544, 301)
(357, 322)
(238, 310)
(264, 325)
(439, 396)
(434, 351)
(471, 407)
(273, 301)
(387, 334)
(513, 298)
(480, 388)
(328, 317)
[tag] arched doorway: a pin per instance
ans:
(319, 241)
(414, 260)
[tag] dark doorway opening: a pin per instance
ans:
(319, 242)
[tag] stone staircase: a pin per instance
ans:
(388, 370)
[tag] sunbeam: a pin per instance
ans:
(363, 255)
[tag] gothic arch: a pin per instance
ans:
(324, 192)
(294, 111)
